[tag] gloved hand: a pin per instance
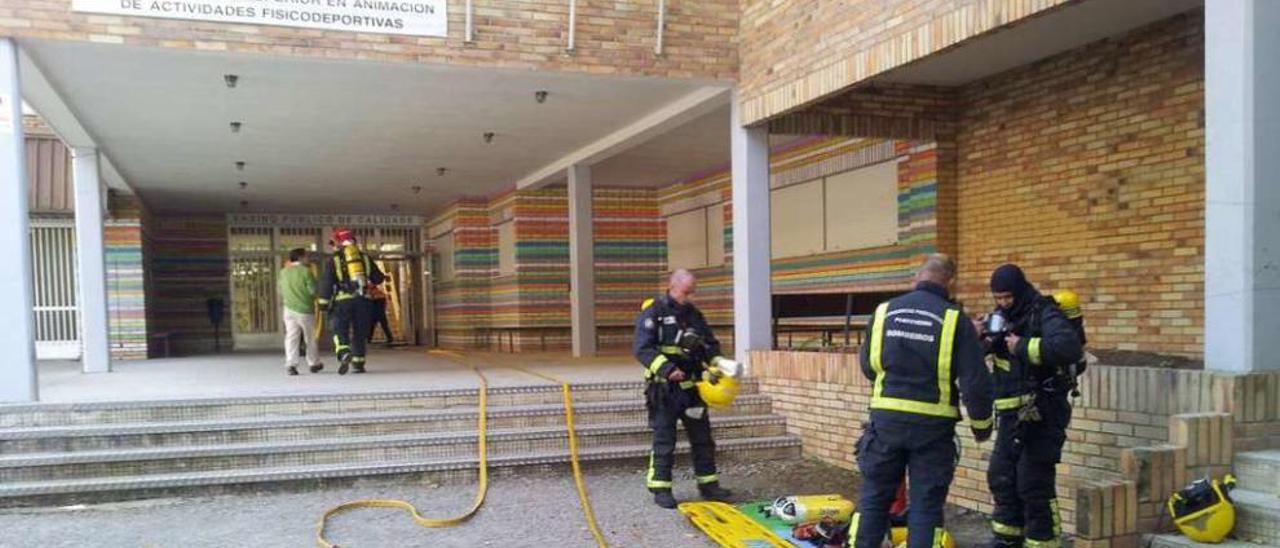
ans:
(981, 434)
(323, 308)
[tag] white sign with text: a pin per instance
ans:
(408, 17)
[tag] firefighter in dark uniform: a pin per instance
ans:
(923, 359)
(341, 292)
(1033, 354)
(674, 344)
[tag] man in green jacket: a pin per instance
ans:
(298, 292)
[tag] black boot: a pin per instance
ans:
(664, 498)
(317, 367)
(713, 491)
(292, 371)
(1005, 541)
(344, 362)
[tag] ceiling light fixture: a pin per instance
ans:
(235, 127)
(243, 185)
(230, 79)
(488, 136)
(540, 96)
(244, 203)
(395, 207)
(441, 171)
(240, 165)
(416, 189)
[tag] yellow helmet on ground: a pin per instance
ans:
(1069, 302)
(898, 537)
(1203, 511)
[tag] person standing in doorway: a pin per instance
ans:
(297, 291)
(379, 299)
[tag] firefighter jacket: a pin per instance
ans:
(335, 283)
(660, 329)
(1049, 343)
(923, 357)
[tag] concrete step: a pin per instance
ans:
(59, 414)
(366, 449)
(329, 425)
(1259, 471)
(1179, 541)
(52, 492)
(1257, 516)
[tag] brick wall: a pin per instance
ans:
(1088, 169)
(612, 37)
(797, 52)
(1198, 418)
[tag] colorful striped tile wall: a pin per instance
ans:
(630, 248)
(126, 289)
(463, 304)
(188, 264)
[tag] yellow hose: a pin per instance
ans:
(405, 505)
(573, 454)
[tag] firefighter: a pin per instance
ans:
(342, 293)
(675, 345)
(923, 359)
(1034, 347)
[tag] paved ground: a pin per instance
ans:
(262, 374)
(521, 511)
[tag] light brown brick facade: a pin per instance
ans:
(615, 38)
(1193, 421)
(797, 52)
(1088, 169)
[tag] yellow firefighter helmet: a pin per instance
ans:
(719, 386)
(1203, 511)
(1069, 302)
(898, 537)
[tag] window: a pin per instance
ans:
(855, 209)
(796, 220)
(695, 239)
(862, 207)
(507, 248)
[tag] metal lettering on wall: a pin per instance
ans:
(408, 17)
(267, 219)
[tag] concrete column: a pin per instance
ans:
(91, 261)
(1242, 185)
(752, 301)
(17, 338)
(582, 263)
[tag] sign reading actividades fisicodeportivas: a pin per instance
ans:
(410, 17)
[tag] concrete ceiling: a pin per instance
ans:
(353, 137)
(1059, 30)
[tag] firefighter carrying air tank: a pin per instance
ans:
(342, 293)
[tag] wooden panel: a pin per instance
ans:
(862, 207)
(687, 240)
(796, 220)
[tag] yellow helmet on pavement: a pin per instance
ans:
(1203, 511)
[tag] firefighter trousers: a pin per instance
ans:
(350, 321)
(888, 450)
(1022, 475)
(668, 404)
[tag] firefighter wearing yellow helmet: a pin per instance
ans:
(686, 373)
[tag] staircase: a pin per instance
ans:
(74, 453)
(1257, 500)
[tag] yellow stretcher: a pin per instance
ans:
(729, 527)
